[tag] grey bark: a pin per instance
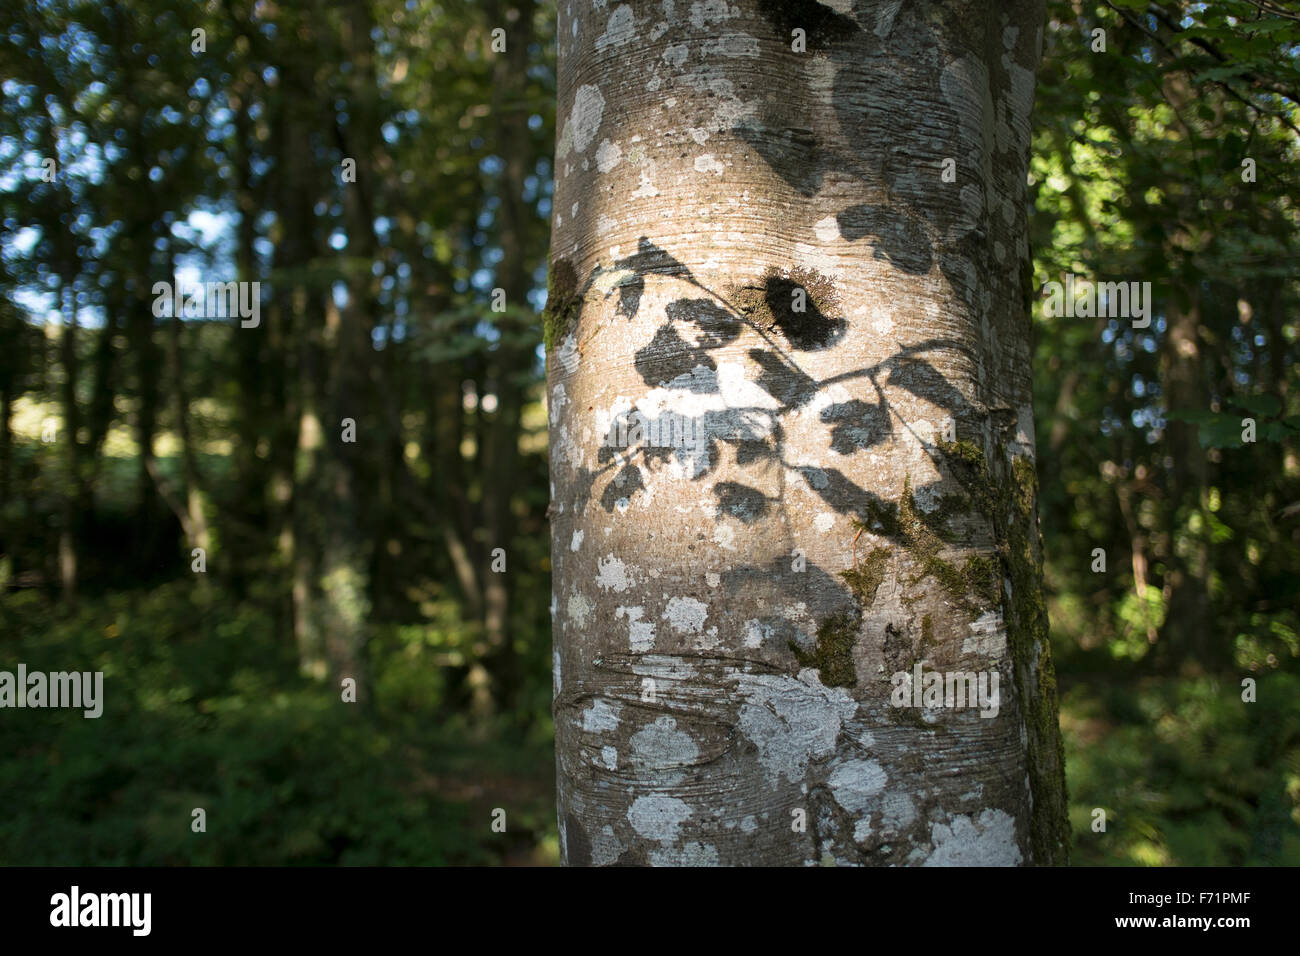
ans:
(728, 616)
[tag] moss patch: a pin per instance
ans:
(924, 537)
(563, 304)
(966, 462)
(982, 578)
(865, 579)
(1010, 504)
(1028, 640)
(833, 655)
(1007, 498)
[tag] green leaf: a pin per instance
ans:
(1264, 405)
(1223, 432)
(1274, 431)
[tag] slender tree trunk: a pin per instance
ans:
(792, 445)
(1187, 640)
(1188, 636)
(100, 413)
(193, 516)
(500, 453)
(261, 359)
(142, 228)
(316, 318)
(65, 264)
(331, 557)
(13, 374)
(344, 464)
(71, 522)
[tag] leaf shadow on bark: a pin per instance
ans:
(682, 364)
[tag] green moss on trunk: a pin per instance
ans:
(1007, 498)
(974, 585)
(833, 655)
(1028, 639)
(563, 304)
(1010, 505)
(865, 579)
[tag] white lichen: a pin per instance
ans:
(579, 608)
(612, 574)
(686, 615)
(601, 716)
(641, 634)
(854, 783)
(585, 117)
(989, 840)
(791, 721)
(608, 156)
(658, 818)
(661, 746)
(620, 29)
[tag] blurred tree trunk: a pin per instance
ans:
(261, 366)
(100, 412)
(349, 515)
(148, 364)
(1186, 637)
(332, 556)
(6, 442)
(449, 509)
(510, 361)
(828, 345)
(193, 514)
(139, 234)
(1187, 634)
(57, 222)
(68, 344)
(315, 317)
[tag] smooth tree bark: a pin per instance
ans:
(792, 445)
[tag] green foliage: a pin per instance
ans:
(1188, 774)
(1137, 174)
(204, 708)
(1223, 430)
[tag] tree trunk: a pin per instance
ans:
(262, 364)
(510, 361)
(792, 445)
(331, 557)
(1188, 636)
(193, 516)
(71, 523)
